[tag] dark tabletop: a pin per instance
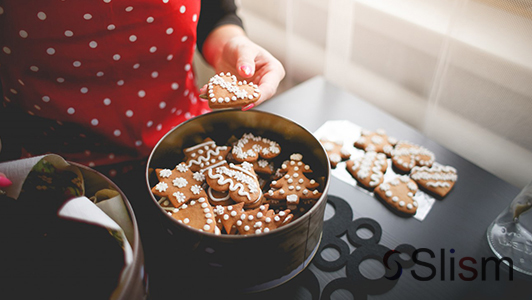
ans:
(455, 228)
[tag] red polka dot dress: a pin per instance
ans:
(99, 82)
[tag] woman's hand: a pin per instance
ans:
(228, 49)
(4, 182)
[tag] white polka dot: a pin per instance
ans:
(165, 1)
(41, 15)
(129, 8)
(142, 93)
(185, 93)
(60, 79)
(149, 124)
(100, 74)
(21, 82)
(117, 132)
(194, 18)
(1, 10)
(37, 107)
(87, 16)
(132, 38)
(69, 33)
(50, 51)
(107, 1)
(93, 44)
(184, 38)
(169, 57)
(34, 68)
(120, 82)
(162, 104)
(112, 155)
(136, 66)
(129, 113)
(23, 34)
(169, 30)
(84, 90)
(138, 143)
(111, 27)
(45, 98)
(159, 127)
(150, 20)
(175, 86)
(95, 122)
(153, 49)
(13, 91)
(188, 115)
(187, 67)
(182, 9)
(6, 50)
(92, 164)
(116, 57)
(71, 111)
(154, 74)
(107, 101)
(76, 64)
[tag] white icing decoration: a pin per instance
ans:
(180, 182)
(165, 173)
(161, 186)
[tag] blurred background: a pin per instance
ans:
(459, 71)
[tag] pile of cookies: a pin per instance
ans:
(414, 165)
(236, 188)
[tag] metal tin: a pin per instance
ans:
(254, 262)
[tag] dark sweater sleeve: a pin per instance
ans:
(215, 13)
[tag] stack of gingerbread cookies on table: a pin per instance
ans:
(415, 166)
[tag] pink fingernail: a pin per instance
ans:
(4, 182)
(248, 107)
(246, 70)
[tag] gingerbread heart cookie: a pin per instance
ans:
(179, 185)
(406, 155)
(197, 214)
(437, 179)
(368, 169)
(206, 155)
(250, 148)
(377, 141)
(293, 186)
(224, 91)
(239, 180)
(335, 151)
(399, 194)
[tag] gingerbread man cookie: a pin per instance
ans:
(225, 91)
(250, 148)
(179, 185)
(368, 169)
(406, 155)
(240, 180)
(293, 186)
(377, 141)
(437, 179)
(335, 151)
(206, 155)
(197, 214)
(399, 194)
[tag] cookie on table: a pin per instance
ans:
(406, 156)
(197, 214)
(335, 151)
(368, 169)
(377, 141)
(226, 91)
(399, 194)
(438, 179)
(250, 148)
(293, 186)
(240, 181)
(206, 155)
(179, 185)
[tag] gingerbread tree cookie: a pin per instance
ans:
(197, 214)
(228, 215)
(206, 155)
(179, 185)
(335, 151)
(224, 91)
(293, 186)
(377, 141)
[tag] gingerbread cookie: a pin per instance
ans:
(179, 185)
(368, 169)
(335, 151)
(250, 148)
(399, 194)
(406, 155)
(228, 215)
(218, 198)
(377, 141)
(197, 214)
(224, 91)
(261, 220)
(239, 180)
(437, 179)
(293, 186)
(206, 155)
